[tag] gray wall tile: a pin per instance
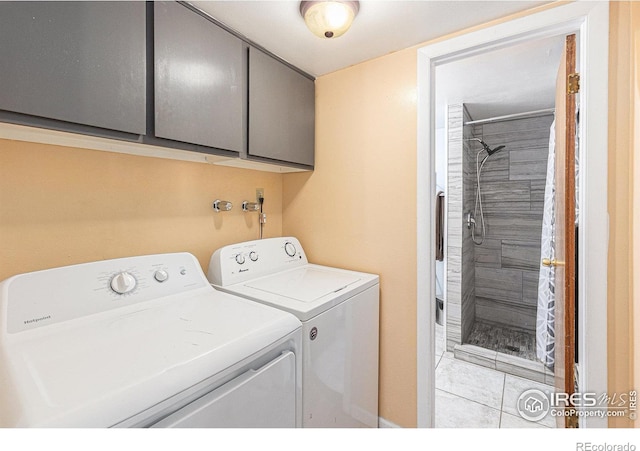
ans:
(530, 287)
(496, 206)
(537, 189)
(528, 164)
(496, 281)
(460, 260)
(513, 183)
(520, 226)
(521, 254)
(505, 191)
(489, 254)
(502, 284)
(495, 169)
(506, 196)
(515, 316)
(527, 140)
(537, 123)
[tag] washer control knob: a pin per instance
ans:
(253, 256)
(290, 249)
(161, 275)
(123, 283)
(240, 259)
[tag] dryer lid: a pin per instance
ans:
(306, 284)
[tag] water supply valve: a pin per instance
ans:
(222, 205)
(250, 206)
(471, 222)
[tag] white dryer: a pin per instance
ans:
(143, 341)
(339, 310)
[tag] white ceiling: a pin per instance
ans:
(505, 81)
(381, 27)
(511, 80)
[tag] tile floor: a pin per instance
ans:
(472, 396)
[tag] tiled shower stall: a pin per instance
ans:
(492, 288)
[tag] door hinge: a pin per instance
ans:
(573, 83)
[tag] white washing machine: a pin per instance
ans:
(339, 310)
(143, 342)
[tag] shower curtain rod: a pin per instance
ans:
(510, 117)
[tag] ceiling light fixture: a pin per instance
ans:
(329, 19)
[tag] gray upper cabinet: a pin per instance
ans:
(200, 81)
(79, 62)
(281, 111)
(157, 73)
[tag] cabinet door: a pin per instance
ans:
(79, 62)
(281, 111)
(199, 82)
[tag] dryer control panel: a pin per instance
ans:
(41, 298)
(237, 263)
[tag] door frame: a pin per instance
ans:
(590, 20)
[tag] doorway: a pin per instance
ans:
(494, 112)
(593, 132)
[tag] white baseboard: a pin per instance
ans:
(382, 423)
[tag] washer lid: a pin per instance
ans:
(305, 284)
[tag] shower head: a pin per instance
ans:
(488, 149)
(492, 151)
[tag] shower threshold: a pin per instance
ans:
(510, 364)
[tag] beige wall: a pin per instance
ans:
(358, 208)
(61, 206)
(620, 281)
(634, 146)
(635, 26)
